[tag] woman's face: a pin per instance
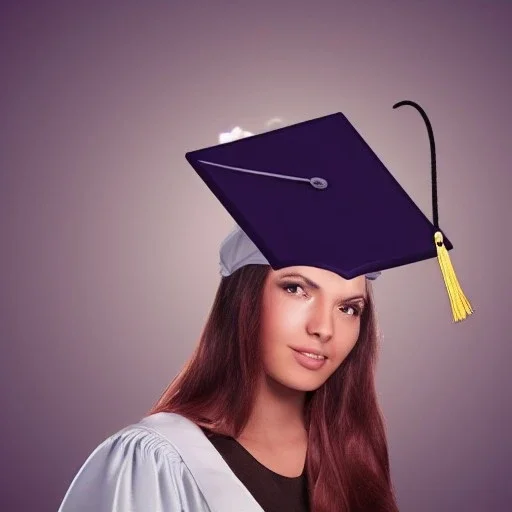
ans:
(309, 310)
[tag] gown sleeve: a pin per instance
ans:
(135, 470)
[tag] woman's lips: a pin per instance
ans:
(308, 362)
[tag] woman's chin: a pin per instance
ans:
(301, 383)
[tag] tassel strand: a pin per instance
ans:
(459, 303)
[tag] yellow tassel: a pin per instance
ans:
(461, 307)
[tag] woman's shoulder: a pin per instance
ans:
(149, 437)
(134, 468)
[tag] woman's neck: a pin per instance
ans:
(277, 416)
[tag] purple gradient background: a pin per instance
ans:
(109, 240)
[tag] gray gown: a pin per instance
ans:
(164, 463)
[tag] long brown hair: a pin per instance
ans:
(347, 461)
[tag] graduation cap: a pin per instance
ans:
(315, 194)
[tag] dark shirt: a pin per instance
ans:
(273, 492)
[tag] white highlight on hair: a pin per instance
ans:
(239, 133)
(235, 134)
(275, 122)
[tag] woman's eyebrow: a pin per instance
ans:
(310, 283)
(314, 285)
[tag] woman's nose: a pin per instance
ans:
(321, 322)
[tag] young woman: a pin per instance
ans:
(276, 410)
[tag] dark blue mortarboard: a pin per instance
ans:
(315, 194)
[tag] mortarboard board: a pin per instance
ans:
(315, 194)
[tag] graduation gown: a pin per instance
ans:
(164, 463)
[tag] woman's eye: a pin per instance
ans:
(351, 310)
(293, 289)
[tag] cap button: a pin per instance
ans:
(318, 183)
